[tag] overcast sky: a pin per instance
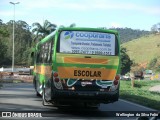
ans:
(135, 14)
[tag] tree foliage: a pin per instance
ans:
(24, 41)
(155, 28)
(154, 64)
(71, 25)
(43, 30)
(126, 62)
(22, 38)
(128, 34)
(3, 47)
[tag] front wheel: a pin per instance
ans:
(37, 94)
(36, 87)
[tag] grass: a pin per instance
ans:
(140, 93)
(143, 49)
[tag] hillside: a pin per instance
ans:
(128, 34)
(143, 49)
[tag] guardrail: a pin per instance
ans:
(14, 70)
(23, 74)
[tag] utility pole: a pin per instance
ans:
(13, 33)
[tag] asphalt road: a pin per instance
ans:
(21, 98)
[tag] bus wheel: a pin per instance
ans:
(34, 82)
(38, 95)
(36, 87)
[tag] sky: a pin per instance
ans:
(135, 14)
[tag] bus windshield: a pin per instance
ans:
(86, 42)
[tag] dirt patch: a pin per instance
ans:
(6, 78)
(155, 89)
(24, 78)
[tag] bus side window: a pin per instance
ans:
(41, 55)
(46, 47)
(50, 52)
(37, 57)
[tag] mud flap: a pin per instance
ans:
(44, 101)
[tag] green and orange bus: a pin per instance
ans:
(78, 65)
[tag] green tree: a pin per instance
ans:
(126, 62)
(23, 42)
(152, 63)
(155, 28)
(71, 25)
(128, 34)
(42, 31)
(3, 47)
(1, 22)
(23, 39)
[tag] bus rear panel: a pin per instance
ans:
(85, 67)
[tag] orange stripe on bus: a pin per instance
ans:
(86, 73)
(43, 70)
(85, 60)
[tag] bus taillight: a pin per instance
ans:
(115, 82)
(117, 77)
(55, 77)
(55, 74)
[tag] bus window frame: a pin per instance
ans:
(42, 50)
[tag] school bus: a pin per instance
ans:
(78, 65)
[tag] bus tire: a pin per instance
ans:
(37, 94)
(36, 86)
